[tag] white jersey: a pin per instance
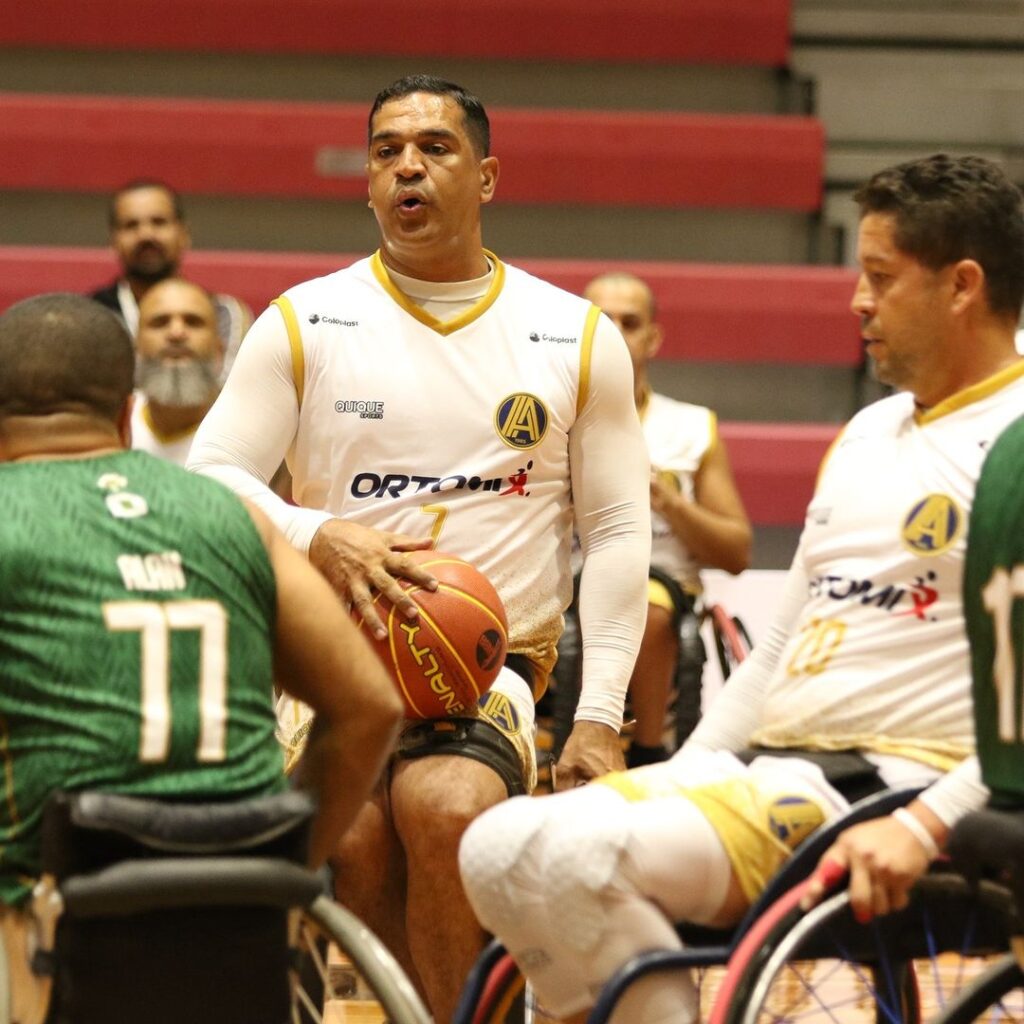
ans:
(145, 437)
(679, 437)
(489, 432)
(878, 658)
(465, 441)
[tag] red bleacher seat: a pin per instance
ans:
(710, 312)
(302, 150)
(776, 466)
(715, 31)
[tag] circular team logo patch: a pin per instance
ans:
(521, 420)
(932, 525)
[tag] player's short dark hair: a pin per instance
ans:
(950, 208)
(478, 127)
(135, 185)
(64, 353)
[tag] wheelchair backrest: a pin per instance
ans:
(205, 963)
(83, 832)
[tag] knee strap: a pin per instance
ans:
(465, 737)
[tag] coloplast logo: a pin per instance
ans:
(316, 318)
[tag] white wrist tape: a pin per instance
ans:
(919, 830)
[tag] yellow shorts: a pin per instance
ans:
(760, 812)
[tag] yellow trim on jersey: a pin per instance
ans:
(586, 352)
(974, 393)
(291, 323)
(174, 435)
(713, 442)
(645, 404)
(443, 327)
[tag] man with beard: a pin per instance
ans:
(149, 235)
(179, 358)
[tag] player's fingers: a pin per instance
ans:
(400, 598)
(403, 542)
(405, 568)
(567, 776)
(862, 896)
(363, 606)
(830, 871)
(899, 898)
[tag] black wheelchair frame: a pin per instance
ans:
(166, 912)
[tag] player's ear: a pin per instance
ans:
(488, 178)
(968, 284)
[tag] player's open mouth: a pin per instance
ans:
(410, 203)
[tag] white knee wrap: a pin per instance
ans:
(489, 859)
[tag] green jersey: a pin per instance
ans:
(137, 607)
(994, 611)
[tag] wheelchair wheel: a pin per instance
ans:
(324, 921)
(898, 969)
(995, 996)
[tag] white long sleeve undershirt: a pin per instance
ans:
(246, 435)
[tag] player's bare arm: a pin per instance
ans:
(360, 562)
(714, 527)
(321, 659)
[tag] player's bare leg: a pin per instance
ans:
(433, 800)
(651, 683)
(369, 879)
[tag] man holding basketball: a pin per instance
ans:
(432, 395)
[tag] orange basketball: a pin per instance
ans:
(447, 658)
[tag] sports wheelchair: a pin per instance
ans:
(163, 912)
(732, 644)
(988, 848)
(782, 965)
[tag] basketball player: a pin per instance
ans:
(993, 589)
(432, 394)
(863, 681)
(179, 358)
(144, 616)
(697, 517)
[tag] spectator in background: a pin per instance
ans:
(179, 355)
(697, 517)
(149, 235)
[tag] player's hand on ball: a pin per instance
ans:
(358, 561)
(592, 749)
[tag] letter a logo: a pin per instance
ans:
(521, 421)
(932, 525)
